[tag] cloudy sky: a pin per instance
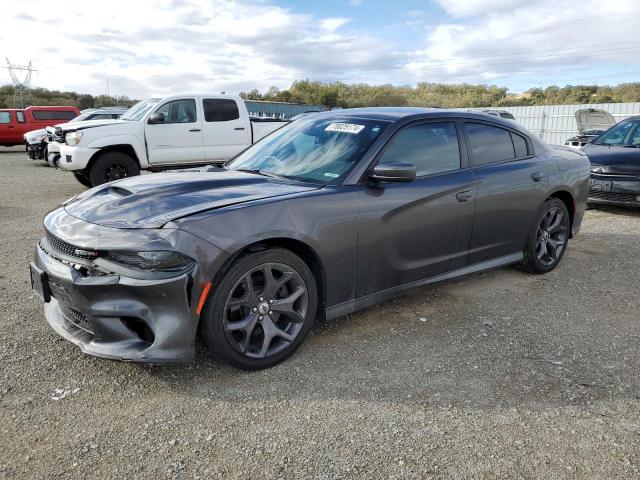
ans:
(147, 47)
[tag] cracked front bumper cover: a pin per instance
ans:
(114, 315)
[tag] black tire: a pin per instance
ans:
(244, 347)
(548, 237)
(112, 166)
(82, 178)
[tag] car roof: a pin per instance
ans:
(393, 114)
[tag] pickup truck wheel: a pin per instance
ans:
(82, 178)
(112, 166)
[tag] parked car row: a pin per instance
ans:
(37, 141)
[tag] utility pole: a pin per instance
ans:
(19, 85)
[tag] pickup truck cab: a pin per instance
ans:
(158, 134)
(14, 123)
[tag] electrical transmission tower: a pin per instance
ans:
(20, 85)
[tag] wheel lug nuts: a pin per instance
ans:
(260, 317)
(270, 312)
(262, 299)
(270, 301)
(255, 309)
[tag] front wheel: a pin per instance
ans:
(548, 237)
(260, 310)
(82, 178)
(112, 166)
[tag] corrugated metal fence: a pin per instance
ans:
(279, 109)
(555, 123)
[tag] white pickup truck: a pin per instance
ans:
(158, 134)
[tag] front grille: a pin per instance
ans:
(58, 136)
(615, 197)
(61, 246)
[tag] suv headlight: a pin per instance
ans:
(154, 261)
(73, 138)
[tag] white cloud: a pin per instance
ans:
(463, 8)
(161, 46)
(533, 39)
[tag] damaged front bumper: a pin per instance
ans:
(621, 190)
(113, 315)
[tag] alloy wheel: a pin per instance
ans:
(265, 310)
(551, 237)
(115, 172)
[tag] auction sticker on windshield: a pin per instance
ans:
(344, 128)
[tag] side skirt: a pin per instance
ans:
(351, 306)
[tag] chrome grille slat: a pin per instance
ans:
(61, 246)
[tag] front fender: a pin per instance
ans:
(122, 139)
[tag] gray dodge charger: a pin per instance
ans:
(332, 213)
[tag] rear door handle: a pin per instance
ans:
(464, 196)
(537, 176)
(194, 130)
(239, 128)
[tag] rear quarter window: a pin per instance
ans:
(20, 117)
(53, 114)
(520, 145)
(488, 144)
(220, 110)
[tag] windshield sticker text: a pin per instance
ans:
(345, 128)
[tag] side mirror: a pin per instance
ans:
(394, 172)
(156, 117)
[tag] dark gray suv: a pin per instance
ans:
(332, 213)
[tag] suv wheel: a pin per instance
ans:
(260, 310)
(112, 166)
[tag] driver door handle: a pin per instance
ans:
(194, 130)
(239, 128)
(464, 196)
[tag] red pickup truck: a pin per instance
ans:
(15, 123)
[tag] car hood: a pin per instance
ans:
(151, 201)
(613, 160)
(83, 124)
(594, 118)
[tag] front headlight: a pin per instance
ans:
(154, 261)
(73, 138)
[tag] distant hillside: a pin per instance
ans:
(42, 96)
(343, 95)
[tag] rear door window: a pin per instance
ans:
(5, 117)
(520, 145)
(488, 144)
(431, 147)
(220, 109)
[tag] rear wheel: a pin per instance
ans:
(112, 166)
(261, 310)
(82, 178)
(548, 237)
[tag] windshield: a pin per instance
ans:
(624, 134)
(313, 149)
(140, 109)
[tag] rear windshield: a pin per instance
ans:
(53, 114)
(312, 149)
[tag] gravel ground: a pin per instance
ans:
(501, 374)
